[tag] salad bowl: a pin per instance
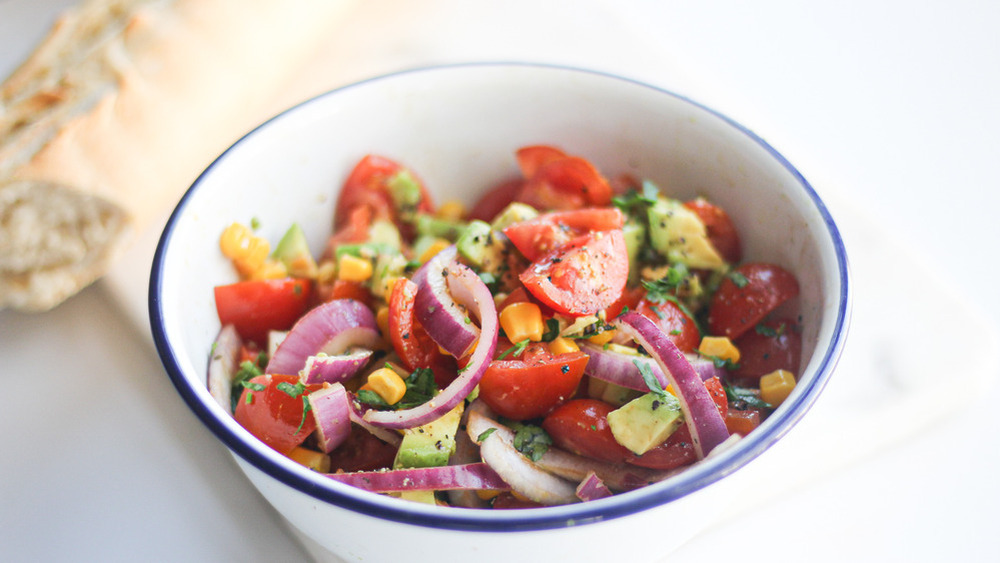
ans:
(459, 127)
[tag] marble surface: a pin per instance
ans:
(888, 108)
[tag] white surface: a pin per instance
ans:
(888, 107)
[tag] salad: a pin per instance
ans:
(568, 337)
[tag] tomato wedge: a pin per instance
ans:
(532, 385)
(256, 307)
(772, 345)
(537, 237)
(738, 307)
(581, 277)
(581, 426)
(675, 323)
(272, 408)
(569, 182)
(533, 157)
(416, 349)
(719, 227)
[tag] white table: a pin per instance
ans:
(891, 109)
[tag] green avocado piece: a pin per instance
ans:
(431, 444)
(610, 393)
(429, 225)
(634, 232)
(677, 233)
(385, 232)
(646, 422)
(481, 246)
(406, 194)
(516, 212)
(293, 251)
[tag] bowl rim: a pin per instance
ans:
(681, 485)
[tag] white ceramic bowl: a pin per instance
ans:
(458, 127)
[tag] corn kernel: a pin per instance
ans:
(232, 240)
(352, 268)
(561, 345)
(776, 386)
(435, 247)
(487, 494)
(270, 270)
(327, 272)
(387, 384)
(382, 320)
(452, 210)
(317, 461)
(719, 347)
(602, 338)
(522, 320)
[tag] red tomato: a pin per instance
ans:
(256, 307)
(537, 237)
(495, 200)
(355, 230)
(531, 158)
(777, 346)
(362, 451)
(273, 414)
(734, 309)
(530, 386)
(565, 183)
(718, 394)
(582, 276)
(581, 426)
(416, 349)
(630, 298)
(505, 501)
(719, 227)
(344, 289)
(679, 328)
(366, 187)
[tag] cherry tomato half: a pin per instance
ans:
(773, 344)
(679, 328)
(533, 157)
(570, 182)
(416, 349)
(539, 236)
(719, 227)
(490, 204)
(272, 408)
(581, 426)
(737, 308)
(256, 307)
(362, 451)
(582, 276)
(530, 386)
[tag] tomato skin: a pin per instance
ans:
(256, 307)
(719, 227)
(273, 415)
(366, 186)
(735, 310)
(533, 157)
(582, 276)
(761, 354)
(570, 182)
(416, 349)
(490, 204)
(630, 299)
(581, 426)
(537, 237)
(679, 328)
(362, 451)
(344, 289)
(532, 385)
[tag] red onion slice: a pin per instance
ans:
(592, 488)
(439, 303)
(330, 328)
(620, 369)
(331, 407)
(706, 425)
(477, 297)
(223, 365)
(443, 478)
(322, 368)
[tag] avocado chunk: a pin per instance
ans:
(293, 251)
(406, 194)
(634, 232)
(429, 225)
(431, 444)
(646, 422)
(385, 232)
(677, 233)
(481, 246)
(610, 393)
(516, 212)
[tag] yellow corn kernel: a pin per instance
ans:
(562, 345)
(326, 272)
(382, 320)
(719, 347)
(453, 210)
(602, 338)
(388, 283)
(387, 384)
(352, 268)
(522, 320)
(776, 386)
(487, 494)
(270, 270)
(317, 461)
(435, 247)
(233, 239)
(247, 251)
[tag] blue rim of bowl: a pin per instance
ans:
(685, 483)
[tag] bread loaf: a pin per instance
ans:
(115, 114)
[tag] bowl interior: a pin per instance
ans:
(458, 128)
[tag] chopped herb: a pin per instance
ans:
(666, 287)
(652, 383)
(291, 390)
(552, 330)
(740, 396)
(675, 332)
(306, 407)
(769, 332)
(420, 388)
(634, 201)
(486, 434)
(531, 441)
(739, 279)
(516, 349)
(254, 223)
(719, 362)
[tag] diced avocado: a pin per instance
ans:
(646, 422)
(387, 267)
(406, 194)
(513, 213)
(481, 246)
(385, 232)
(437, 227)
(634, 232)
(610, 393)
(293, 251)
(422, 496)
(676, 232)
(431, 444)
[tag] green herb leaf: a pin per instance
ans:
(420, 388)
(531, 441)
(739, 279)
(515, 350)
(552, 330)
(649, 378)
(291, 390)
(306, 407)
(666, 287)
(737, 395)
(486, 434)
(769, 332)
(633, 201)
